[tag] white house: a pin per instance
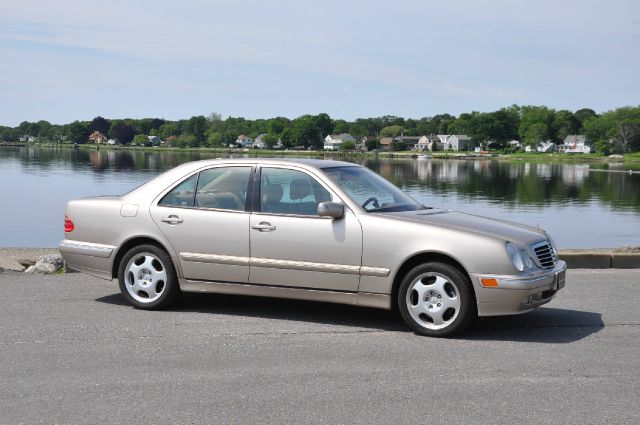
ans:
(154, 140)
(547, 146)
(244, 141)
(333, 141)
(112, 142)
(454, 142)
(258, 143)
(425, 143)
(574, 143)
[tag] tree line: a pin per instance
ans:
(616, 131)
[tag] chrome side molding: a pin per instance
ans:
(285, 264)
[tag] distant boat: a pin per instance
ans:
(424, 156)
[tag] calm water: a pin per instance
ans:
(581, 206)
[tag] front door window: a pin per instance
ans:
(284, 191)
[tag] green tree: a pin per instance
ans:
(564, 124)
(536, 132)
(122, 132)
(277, 125)
(270, 140)
(140, 140)
(539, 116)
(372, 144)
(347, 145)
(392, 131)
(100, 124)
(197, 127)
(340, 126)
(215, 122)
(584, 114)
(78, 132)
(167, 130)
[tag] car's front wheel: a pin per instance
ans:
(436, 299)
(148, 278)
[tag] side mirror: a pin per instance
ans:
(330, 209)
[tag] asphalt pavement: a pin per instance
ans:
(72, 351)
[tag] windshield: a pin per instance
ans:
(369, 190)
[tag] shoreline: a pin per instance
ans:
(595, 258)
(633, 158)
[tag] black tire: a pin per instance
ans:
(168, 287)
(453, 304)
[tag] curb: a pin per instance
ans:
(598, 259)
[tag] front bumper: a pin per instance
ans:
(518, 294)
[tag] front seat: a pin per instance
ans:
(270, 198)
(298, 190)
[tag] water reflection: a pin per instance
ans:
(531, 192)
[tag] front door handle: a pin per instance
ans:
(264, 226)
(172, 219)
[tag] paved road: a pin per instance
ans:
(72, 352)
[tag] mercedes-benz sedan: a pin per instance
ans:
(309, 229)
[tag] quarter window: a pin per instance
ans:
(285, 191)
(182, 194)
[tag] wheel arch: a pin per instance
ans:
(421, 258)
(135, 241)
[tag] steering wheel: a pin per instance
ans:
(371, 200)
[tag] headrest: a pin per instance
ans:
(299, 189)
(272, 193)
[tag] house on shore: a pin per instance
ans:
(244, 141)
(333, 141)
(546, 147)
(154, 141)
(97, 138)
(362, 146)
(455, 142)
(385, 143)
(258, 143)
(406, 142)
(426, 143)
(574, 143)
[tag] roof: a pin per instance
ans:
(341, 136)
(461, 136)
(575, 138)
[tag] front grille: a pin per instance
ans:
(545, 254)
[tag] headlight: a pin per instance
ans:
(528, 262)
(552, 243)
(515, 256)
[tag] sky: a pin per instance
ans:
(70, 60)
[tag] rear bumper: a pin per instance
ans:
(518, 294)
(87, 257)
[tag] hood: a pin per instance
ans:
(514, 232)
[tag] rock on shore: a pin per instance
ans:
(47, 264)
(19, 259)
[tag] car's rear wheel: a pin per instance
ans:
(436, 299)
(148, 278)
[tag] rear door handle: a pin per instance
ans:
(172, 219)
(264, 226)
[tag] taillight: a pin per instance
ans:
(68, 225)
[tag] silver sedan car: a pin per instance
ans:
(313, 230)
